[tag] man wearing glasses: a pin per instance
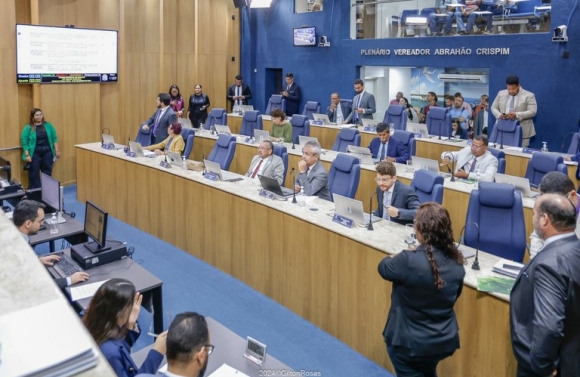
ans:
(266, 163)
(397, 202)
(312, 176)
(471, 159)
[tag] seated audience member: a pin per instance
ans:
(558, 183)
(431, 102)
(266, 163)
(446, 17)
(188, 347)
(396, 201)
(465, 105)
(173, 143)
(397, 99)
(312, 175)
(281, 128)
(337, 112)
(385, 148)
(470, 11)
(111, 319)
(481, 116)
(28, 217)
(409, 110)
(421, 328)
(459, 112)
(472, 158)
(457, 132)
(449, 101)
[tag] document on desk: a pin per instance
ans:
(85, 291)
(495, 284)
(227, 371)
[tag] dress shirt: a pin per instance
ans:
(339, 115)
(169, 374)
(387, 202)
(238, 93)
(261, 169)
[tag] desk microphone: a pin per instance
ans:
(204, 172)
(294, 184)
(475, 265)
(452, 170)
(440, 129)
(293, 147)
(370, 225)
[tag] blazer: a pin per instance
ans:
(403, 198)
(487, 164)
(526, 109)
(177, 145)
(293, 99)
(274, 168)
(164, 122)
(479, 122)
(118, 354)
(315, 183)
(421, 320)
(367, 103)
(346, 109)
(246, 92)
(395, 149)
(545, 310)
(28, 138)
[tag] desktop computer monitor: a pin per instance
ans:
(5, 170)
(96, 228)
(51, 193)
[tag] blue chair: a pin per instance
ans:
(396, 114)
(346, 137)
(216, 116)
(498, 211)
(428, 186)
(500, 155)
(300, 126)
(311, 107)
(344, 175)
(407, 138)
(188, 135)
(439, 121)
(282, 152)
(542, 163)
(223, 151)
(276, 101)
(251, 120)
(506, 132)
(143, 137)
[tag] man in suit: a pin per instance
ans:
(312, 175)
(188, 346)
(293, 95)
(396, 201)
(337, 112)
(239, 93)
(545, 298)
(363, 104)
(266, 163)
(517, 103)
(481, 116)
(385, 148)
(161, 119)
(472, 158)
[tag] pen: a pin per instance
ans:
(511, 267)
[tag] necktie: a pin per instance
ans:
(238, 90)
(257, 169)
(386, 203)
(356, 108)
(156, 124)
(383, 151)
(512, 102)
(473, 165)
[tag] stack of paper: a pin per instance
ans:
(227, 371)
(507, 267)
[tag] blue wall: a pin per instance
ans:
(267, 43)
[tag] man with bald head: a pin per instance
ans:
(545, 299)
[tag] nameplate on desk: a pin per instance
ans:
(370, 129)
(131, 154)
(344, 221)
(164, 164)
(529, 150)
(470, 142)
(266, 194)
(418, 135)
(108, 146)
(249, 140)
(211, 176)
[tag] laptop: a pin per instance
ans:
(418, 128)
(109, 140)
(302, 140)
(244, 108)
(369, 122)
(521, 184)
(364, 154)
(427, 164)
(261, 135)
(272, 185)
(184, 122)
(174, 159)
(220, 129)
(139, 151)
(322, 118)
(214, 167)
(352, 209)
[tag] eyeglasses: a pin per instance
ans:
(209, 348)
(383, 180)
(263, 148)
(477, 146)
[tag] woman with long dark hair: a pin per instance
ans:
(198, 104)
(176, 100)
(409, 110)
(421, 327)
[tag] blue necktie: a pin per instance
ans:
(386, 203)
(383, 151)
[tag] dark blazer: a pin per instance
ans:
(293, 100)
(421, 320)
(246, 92)
(396, 149)
(404, 198)
(164, 122)
(344, 107)
(118, 354)
(545, 311)
(315, 183)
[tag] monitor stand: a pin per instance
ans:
(94, 247)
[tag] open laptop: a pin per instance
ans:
(302, 140)
(261, 135)
(352, 209)
(427, 164)
(521, 184)
(222, 129)
(214, 167)
(174, 159)
(109, 140)
(364, 154)
(322, 118)
(272, 185)
(369, 122)
(418, 128)
(244, 108)
(139, 151)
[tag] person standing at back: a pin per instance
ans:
(239, 93)
(293, 95)
(363, 104)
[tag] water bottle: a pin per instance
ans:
(301, 201)
(53, 222)
(184, 165)
(477, 177)
(236, 109)
(544, 146)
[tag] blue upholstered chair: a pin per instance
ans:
(500, 155)
(311, 107)
(506, 132)
(276, 101)
(188, 135)
(407, 138)
(346, 137)
(498, 211)
(216, 116)
(282, 152)
(251, 120)
(300, 126)
(428, 186)
(143, 137)
(344, 175)
(396, 114)
(223, 151)
(542, 163)
(439, 121)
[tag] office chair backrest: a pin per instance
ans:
(216, 116)
(346, 137)
(574, 144)
(396, 115)
(188, 135)
(251, 120)
(344, 176)
(276, 101)
(428, 186)
(311, 107)
(506, 132)
(143, 137)
(498, 211)
(223, 151)
(439, 121)
(542, 163)
(300, 126)
(282, 152)
(407, 138)
(500, 155)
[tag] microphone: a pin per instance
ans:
(293, 147)
(203, 164)
(452, 170)
(293, 189)
(370, 225)
(440, 130)
(475, 265)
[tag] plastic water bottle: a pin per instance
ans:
(477, 177)
(544, 146)
(53, 223)
(184, 165)
(236, 109)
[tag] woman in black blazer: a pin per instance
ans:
(421, 327)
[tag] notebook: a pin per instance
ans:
(364, 154)
(322, 118)
(427, 164)
(220, 129)
(352, 209)
(302, 140)
(244, 108)
(214, 167)
(109, 140)
(174, 159)
(369, 122)
(272, 185)
(521, 184)
(418, 128)
(260, 135)
(139, 151)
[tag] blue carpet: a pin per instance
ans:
(190, 284)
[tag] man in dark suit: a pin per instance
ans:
(312, 176)
(545, 299)
(385, 148)
(337, 112)
(239, 93)
(396, 201)
(363, 104)
(161, 119)
(293, 95)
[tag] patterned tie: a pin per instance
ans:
(257, 169)
(386, 203)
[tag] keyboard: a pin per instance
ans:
(66, 266)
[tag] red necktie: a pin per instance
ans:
(256, 169)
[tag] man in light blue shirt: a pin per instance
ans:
(459, 112)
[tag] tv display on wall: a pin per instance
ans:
(305, 36)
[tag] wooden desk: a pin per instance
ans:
(318, 269)
(72, 231)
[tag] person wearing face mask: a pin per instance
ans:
(198, 104)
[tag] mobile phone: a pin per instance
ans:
(54, 158)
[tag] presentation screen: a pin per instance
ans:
(305, 36)
(50, 54)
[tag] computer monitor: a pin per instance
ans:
(5, 170)
(96, 228)
(50, 193)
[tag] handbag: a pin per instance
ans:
(27, 166)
